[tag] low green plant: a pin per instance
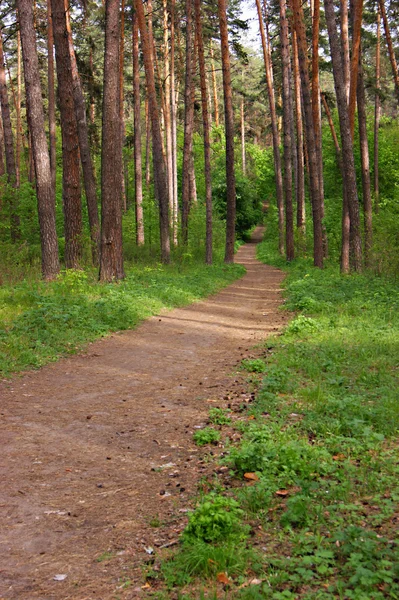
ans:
(253, 365)
(218, 416)
(216, 518)
(205, 436)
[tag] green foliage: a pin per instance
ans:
(253, 365)
(218, 416)
(216, 518)
(208, 435)
(41, 321)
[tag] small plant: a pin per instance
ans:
(216, 518)
(218, 416)
(208, 435)
(254, 365)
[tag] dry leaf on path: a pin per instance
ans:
(222, 578)
(251, 476)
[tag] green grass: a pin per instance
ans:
(41, 321)
(322, 440)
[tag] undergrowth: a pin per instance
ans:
(41, 321)
(317, 460)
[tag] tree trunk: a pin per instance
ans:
(242, 122)
(332, 129)
(188, 122)
(2, 164)
(275, 134)
(147, 143)
(167, 114)
(111, 257)
(316, 112)
(84, 148)
(138, 174)
(173, 118)
(70, 144)
(229, 132)
(345, 45)
(356, 38)
(377, 111)
(121, 98)
(206, 132)
(215, 87)
(349, 173)
(51, 95)
(9, 147)
(18, 111)
(391, 51)
(300, 188)
(287, 114)
(314, 172)
(365, 162)
(35, 113)
(160, 181)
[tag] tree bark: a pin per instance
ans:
(138, 174)
(377, 111)
(70, 144)
(275, 134)
(215, 87)
(121, 98)
(51, 96)
(9, 147)
(229, 133)
(84, 148)
(188, 122)
(300, 188)
(365, 162)
(314, 172)
(173, 118)
(287, 128)
(391, 51)
(35, 113)
(356, 38)
(2, 164)
(242, 123)
(345, 45)
(350, 194)
(160, 180)
(206, 132)
(111, 257)
(167, 114)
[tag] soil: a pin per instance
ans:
(98, 463)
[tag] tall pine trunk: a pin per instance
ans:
(35, 114)
(365, 163)
(138, 174)
(391, 52)
(349, 174)
(206, 132)
(9, 147)
(275, 134)
(70, 145)
(173, 118)
(300, 187)
(229, 133)
(188, 121)
(51, 95)
(160, 180)
(313, 164)
(111, 257)
(287, 128)
(377, 111)
(89, 179)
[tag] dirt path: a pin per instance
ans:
(97, 448)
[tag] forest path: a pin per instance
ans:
(98, 447)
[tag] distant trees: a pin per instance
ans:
(166, 100)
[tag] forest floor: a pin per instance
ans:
(98, 462)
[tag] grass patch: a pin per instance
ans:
(41, 321)
(321, 440)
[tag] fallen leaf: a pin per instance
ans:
(222, 578)
(146, 586)
(339, 457)
(251, 476)
(60, 577)
(282, 493)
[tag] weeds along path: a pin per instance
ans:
(97, 449)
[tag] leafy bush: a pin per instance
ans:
(208, 435)
(216, 518)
